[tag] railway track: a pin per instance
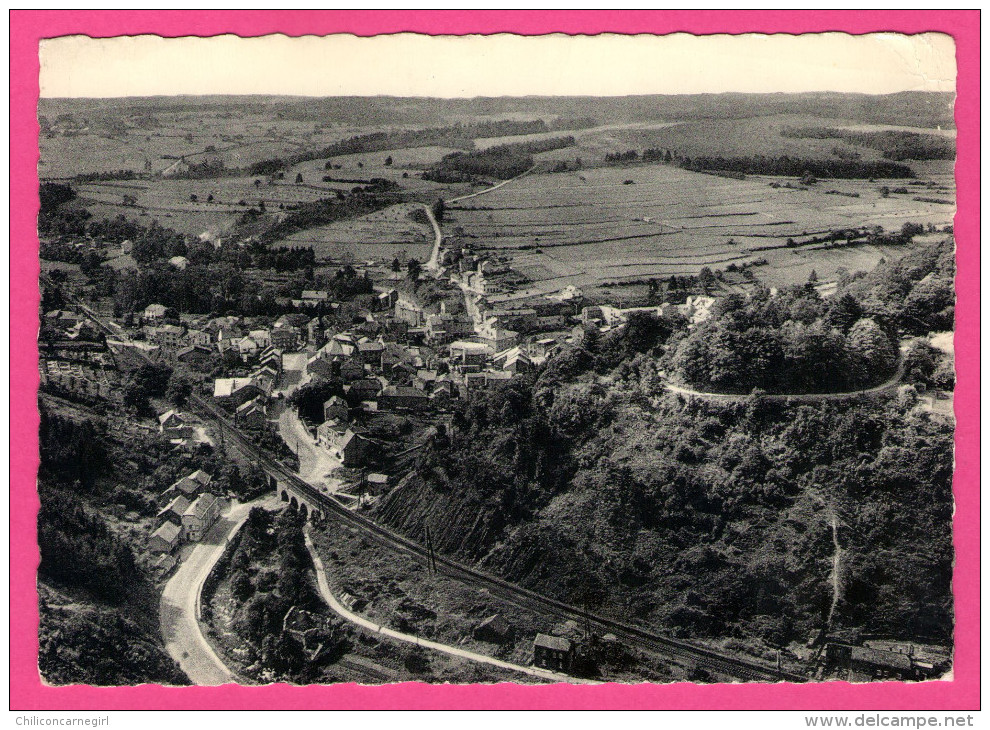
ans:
(702, 657)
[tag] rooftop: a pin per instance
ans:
(554, 643)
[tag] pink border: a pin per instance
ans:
(26, 690)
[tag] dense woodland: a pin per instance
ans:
(894, 145)
(98, 607)
(799, 167)
(269, 571)
(793, 342)
(460, 136)
(501, 161)
(591, 483)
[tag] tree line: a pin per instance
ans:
(501, 161)
(893, 144)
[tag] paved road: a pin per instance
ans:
(179, 607)
(348, 615)
(316, 464)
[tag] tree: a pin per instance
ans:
(193, 198)
(413, 267)
(388, 161)
(241, 586)
(299, 177)
(706, 278)
(871, 350)
(813, 276)
(844, 312)
(179, 390)
(396, 265)
(309, 399)
(439, 209)
(152, 379)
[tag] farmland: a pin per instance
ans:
(384, 234)
(622, 224)
(192, 206)
(586, 227)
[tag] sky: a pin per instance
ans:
(408, 64)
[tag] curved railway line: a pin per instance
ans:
(713, 661)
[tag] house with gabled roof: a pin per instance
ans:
(172, 425)
(352, 449)
(553, 652)
(232, 392)
(336, 409)
(189, 486)
(251, 415)
(173, 511)
(200, 516)
(166, 538)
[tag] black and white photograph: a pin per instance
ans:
(483, 359)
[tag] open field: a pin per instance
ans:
(383, 234)
(592, 226)
(367, 165)
(170, 200)
(760, 135)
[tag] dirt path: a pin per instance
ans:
(434, 263)
(179, 608)
(891, 382)
(836, 568)
(348, 615)
(493, 187)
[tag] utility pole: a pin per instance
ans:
(431, 560)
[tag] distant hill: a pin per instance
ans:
(909, 108)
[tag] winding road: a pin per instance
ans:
(434, 263)
(348, 615)
(891, 382)
(316, 464)
(179, 609)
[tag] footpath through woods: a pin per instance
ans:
(892, 382)
(337, 607)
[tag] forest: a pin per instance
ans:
(591, 483)
(894, 145)
(269, 571)
(793, 342)
(98, 607)
(502, 161)
(799, 167)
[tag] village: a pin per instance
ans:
(345, 403)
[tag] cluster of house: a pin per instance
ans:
(881, 660)
(696, 309)
(189, 512)
(188, 340)
(247, 397)
(73, 356)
